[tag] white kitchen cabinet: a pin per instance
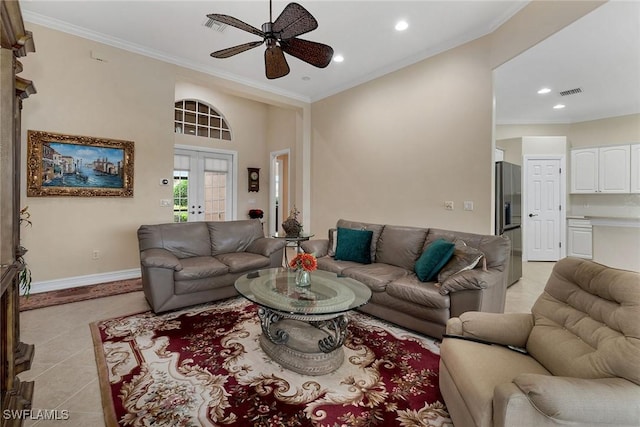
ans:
(601, 170)
(635, 168)
(614, 169)
(584, 170)
(579, 238)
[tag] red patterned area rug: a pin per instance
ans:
(203, 366)
(81, 293)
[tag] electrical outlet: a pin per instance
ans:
(448, 205)
(165, 202)
(468, 205)
(96, 254)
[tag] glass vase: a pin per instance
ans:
(303, 278)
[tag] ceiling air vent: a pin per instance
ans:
(571, 92)
(214, 25)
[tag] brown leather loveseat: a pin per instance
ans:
(196, 262)
(399, 294)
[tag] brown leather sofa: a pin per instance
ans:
(399, 296)
(582, 361)
(195, 262)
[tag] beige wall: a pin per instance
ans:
(609, 131)
(128, 97)
(394, 149)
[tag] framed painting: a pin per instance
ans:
(69, 165)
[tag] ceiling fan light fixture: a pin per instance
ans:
(559, 106)
(544, 91)
(401, 25)
(280, 37)
(338, 58)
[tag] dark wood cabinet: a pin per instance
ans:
(15, 356)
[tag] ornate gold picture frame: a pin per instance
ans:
(84, 166)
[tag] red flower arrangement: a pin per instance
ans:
(304, 261)
(256, 213)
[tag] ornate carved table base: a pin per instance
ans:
(309, 345)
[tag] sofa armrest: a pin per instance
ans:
(159, 258)
(476, 278)
(612, 401)
(318, 247)
(266, 246)
(500, 328)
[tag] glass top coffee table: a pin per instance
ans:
(303, 328)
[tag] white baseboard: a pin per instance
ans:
(91, 279)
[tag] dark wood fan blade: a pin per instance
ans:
(234, 22)
(275, 63)
(316, 54)
(294, 21)
(226, 53)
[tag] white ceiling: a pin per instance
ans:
(599, 53)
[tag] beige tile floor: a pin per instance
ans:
(64, 368)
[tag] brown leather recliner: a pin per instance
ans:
(582, 361)
(191, 263)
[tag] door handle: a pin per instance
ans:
(532, 215)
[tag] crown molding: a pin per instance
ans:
(65, 27)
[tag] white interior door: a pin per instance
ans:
(203, 186)
(543, 215)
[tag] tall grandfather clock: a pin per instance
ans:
(15, 356)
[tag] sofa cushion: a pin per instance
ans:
(243, 261)
(376, 276)
(331, 264)
(464, 258)
(356, 225)
(494, 248)
(233, 236)
(587, 322)
(410, 288)
(199, 268)
(183, 240)
(400, 246)
(354, 245)
(435, 256)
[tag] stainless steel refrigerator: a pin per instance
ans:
(509, 214)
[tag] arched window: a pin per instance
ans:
(197, 118)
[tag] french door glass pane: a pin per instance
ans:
(180, 196)
(215, 191)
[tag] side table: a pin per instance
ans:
(292, 241)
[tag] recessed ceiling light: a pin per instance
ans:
(559, 106)
(544, 90)
(338, 58)
(402, 25)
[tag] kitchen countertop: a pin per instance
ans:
(609, 220)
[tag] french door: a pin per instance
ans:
(203, 185)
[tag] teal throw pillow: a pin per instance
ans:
(354, 245)
(433, 259)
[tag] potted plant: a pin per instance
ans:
(24, 277)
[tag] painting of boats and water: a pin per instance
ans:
(76, 165)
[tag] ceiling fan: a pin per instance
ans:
(280, 36)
